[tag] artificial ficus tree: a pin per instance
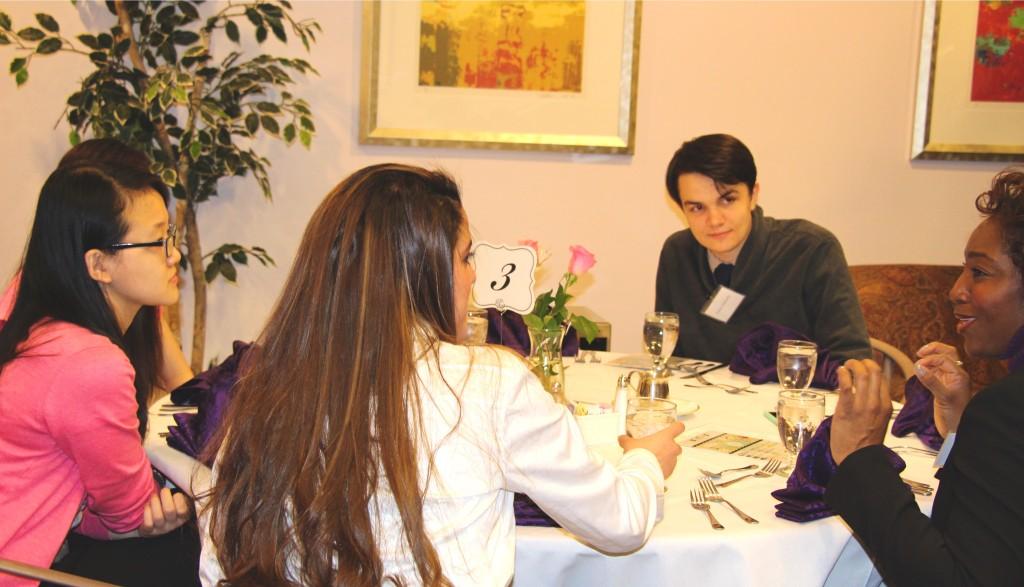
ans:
(157, 86)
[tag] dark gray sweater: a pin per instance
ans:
(792, 272)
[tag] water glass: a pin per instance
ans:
(645, 416)
(795, 363)
(661, 331)
(800, 413)
(476, 327)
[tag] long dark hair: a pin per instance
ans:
(324, 407)
(80, 208)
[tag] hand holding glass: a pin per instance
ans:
(645, 416)
(795, 362)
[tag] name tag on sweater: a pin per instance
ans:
(722, 304)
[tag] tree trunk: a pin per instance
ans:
(195, 265)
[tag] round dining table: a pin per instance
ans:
(684, 549)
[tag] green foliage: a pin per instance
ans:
(550, 311)
(223, 260)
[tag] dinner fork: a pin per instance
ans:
(694, 373)
(697, 501)
(707, 487)
(714, 475)
(767, 470)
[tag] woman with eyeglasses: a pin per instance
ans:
(80, 354)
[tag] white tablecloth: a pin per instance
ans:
(684, 550)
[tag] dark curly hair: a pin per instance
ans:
(1004, 203)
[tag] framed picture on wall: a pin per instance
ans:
(970, 85)
(535, 75)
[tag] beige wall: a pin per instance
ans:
(822, 92)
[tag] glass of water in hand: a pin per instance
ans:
(645, 416)
(795, 363)
(800, 412)
(661, 330)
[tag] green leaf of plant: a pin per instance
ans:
(307, 123)
(47, 22)
(232, 31)
(105, 40)
(4, 40)
(240, 257)
(188, 10)
(154, 88)
(5, 21)
(73, 137)
(98, 57)
(195, 149)
(227, 269)
(261, 34)
(51, 45)
(275, 26)
(585, 328)
(270, 124)
(166, 14)
(185, 37)
(31, 34)
(254, 17)
(532, 321)
(169, 176)
(89, 41)
(289, 133)
(17, 64)
(212, 271)
(21, 77)
(268, 107)
(252, 123)
(306, 138)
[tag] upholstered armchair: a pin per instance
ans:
(907, 306)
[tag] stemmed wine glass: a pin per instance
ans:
(795, 363)
(661, 330)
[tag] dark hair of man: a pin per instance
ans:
(326, 411)
(80, 208)
(723, 158)
(1004, 203)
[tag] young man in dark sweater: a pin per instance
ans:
(736, 268)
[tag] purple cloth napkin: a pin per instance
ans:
(917, 414)
(508, 329)
(756, 356)
(211, 391)
(803, 499)
(528, 513)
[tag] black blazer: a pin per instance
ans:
(976, 533)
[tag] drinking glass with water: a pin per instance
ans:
(661, 331)
(795, 363)
(800, 413)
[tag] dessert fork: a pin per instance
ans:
(767, 470)
(710, 492)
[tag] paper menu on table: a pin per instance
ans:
(737, 444)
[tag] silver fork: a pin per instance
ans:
(767, 470)
(703, 381)
(711, 494)
(714, 475)
(697, 501)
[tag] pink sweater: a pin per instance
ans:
(68, 439)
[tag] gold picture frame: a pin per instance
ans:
(395, 109)
(947, 124)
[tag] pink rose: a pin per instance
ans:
(581, 261)
(532, 244)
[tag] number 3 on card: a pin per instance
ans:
(504, 277)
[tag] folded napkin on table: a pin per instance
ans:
(508, 329)
(211, 391)
(803, 499)
(917, 414)
(528, 513)
(756, 354)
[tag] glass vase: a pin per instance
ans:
(546, 360)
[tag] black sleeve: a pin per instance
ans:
(980, 540)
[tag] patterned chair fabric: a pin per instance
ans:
(908, 306)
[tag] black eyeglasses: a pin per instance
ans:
(167, 243)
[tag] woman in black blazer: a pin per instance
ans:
(975, 535)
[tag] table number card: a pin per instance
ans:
(504, 277)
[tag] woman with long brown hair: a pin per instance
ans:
(364, 445)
